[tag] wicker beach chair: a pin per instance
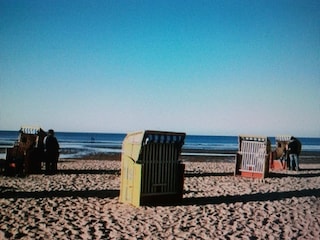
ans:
(27, 155)
(279, 158)
(151, 172)
(252, 159)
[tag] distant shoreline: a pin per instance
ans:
(186, 155)
(196, 156)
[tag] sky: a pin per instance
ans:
(217, 67)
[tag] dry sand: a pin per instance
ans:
(81, 202)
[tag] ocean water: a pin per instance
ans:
(77, 145)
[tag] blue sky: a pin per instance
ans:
(202, 67)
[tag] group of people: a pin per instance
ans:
(292, 153)
(51, 149)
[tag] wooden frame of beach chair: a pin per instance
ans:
(276, 163)
(252, 158)
(151, 172)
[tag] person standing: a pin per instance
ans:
(294, 148)
(51, 147)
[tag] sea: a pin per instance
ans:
(80, 144)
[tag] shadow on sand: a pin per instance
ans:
(301, 174)
(88, 171)
(210, 174)
(245, 198)
(11, 193)
(256, 197)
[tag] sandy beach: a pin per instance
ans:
(82, 202)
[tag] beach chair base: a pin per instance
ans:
(278, 165)
(251, 174)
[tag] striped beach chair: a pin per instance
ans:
(252, 159)
(150, 168)
(279, 159)
(28, 151)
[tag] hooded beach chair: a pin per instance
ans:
(279, 157)
(252, 158)
(151, 172)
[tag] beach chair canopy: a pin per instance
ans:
(134, 143)
(31, 130)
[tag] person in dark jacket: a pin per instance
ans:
(51, 146)
(294, 148)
